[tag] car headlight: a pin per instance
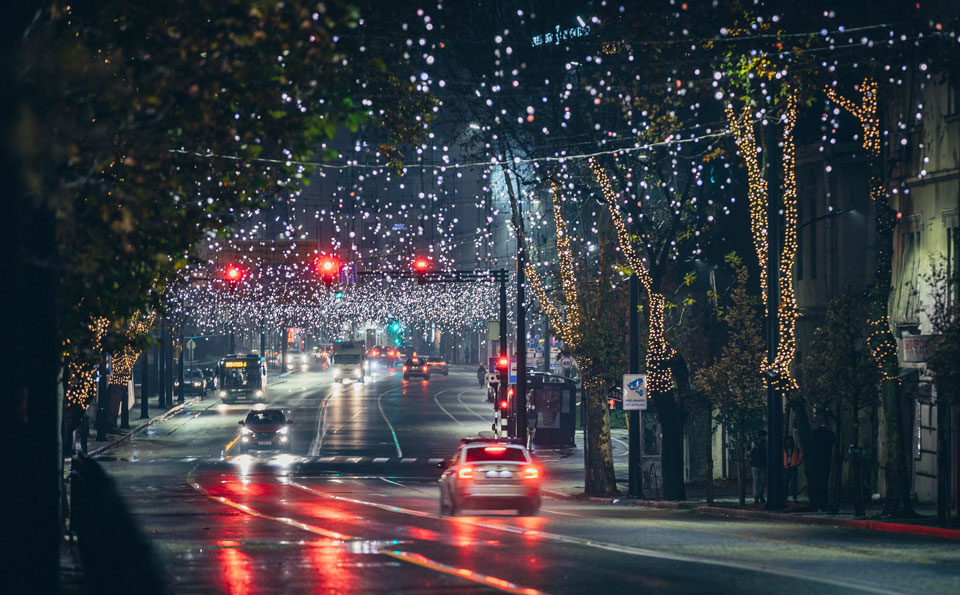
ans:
(246, 431)
(283, 430)
(223, 393)
(259, 393)
(196, 384)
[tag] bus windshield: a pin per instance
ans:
(239, 377)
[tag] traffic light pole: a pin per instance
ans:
(504, 376)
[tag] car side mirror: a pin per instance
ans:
(240, 422)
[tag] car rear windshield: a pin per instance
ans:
(265, 417)
(483, 454)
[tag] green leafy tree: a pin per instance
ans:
(732, 383)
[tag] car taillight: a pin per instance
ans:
(424, 368)
(495, 449)
(531, 473)
(404, 368)
(465, 473)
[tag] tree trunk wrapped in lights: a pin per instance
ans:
(570, 327)
(880, 338)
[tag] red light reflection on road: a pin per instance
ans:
(325, 559)
(236, 571)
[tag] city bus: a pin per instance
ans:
(242, 376)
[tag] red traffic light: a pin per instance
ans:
(422, 265)
(504, 404)
(503, 362)
(234, 273)
(328, 267)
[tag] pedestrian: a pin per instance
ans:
(531, 421)
(758, 465)
(84, 431)
(792, 457)
(481, 375)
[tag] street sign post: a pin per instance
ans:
(634, 392)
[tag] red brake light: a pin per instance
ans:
(531, 473)
(465, 473)
(424, 368)
(496, 449)
(404, 368)
(376, 353)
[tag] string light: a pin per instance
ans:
(659, 375)
(745, 137)
(787, 311)
(883, 346)
(123, 361)
(81, 372)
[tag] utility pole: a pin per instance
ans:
(145, 385)
(162, 368)
(634, 470)
(180, 369)
(102, 399)
(775, 488)
(521, 416)
(546, 344)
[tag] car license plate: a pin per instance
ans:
(265, 443)
(499, 474)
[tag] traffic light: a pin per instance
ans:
(234, 274)
(328, 267)
(421, 266)
(504, 404)
(503, 363)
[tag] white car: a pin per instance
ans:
(490, 474)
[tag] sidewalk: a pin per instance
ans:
(565, 481)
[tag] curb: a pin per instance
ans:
(862, 525)
(667, 504)
(166, 415)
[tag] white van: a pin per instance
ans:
(348, 361)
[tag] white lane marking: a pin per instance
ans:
(625, 446)
(317, 443)
(390, 425)
(326, 459)
(408, 460)
(469, 408)
(354, 459)
(380, 460)
(444, 409)
(611, 547)
(434, 460)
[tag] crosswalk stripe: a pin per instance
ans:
(354, 459)
(380, 460)
(434, 460)
(408, 460)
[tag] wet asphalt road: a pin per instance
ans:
(353, 508)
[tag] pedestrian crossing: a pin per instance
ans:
(267, 456)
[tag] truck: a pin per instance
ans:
(242, 376)
(348, 361)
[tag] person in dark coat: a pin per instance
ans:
(758, 466)
(481, 376)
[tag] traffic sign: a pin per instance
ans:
(634, 392)
(566, 362)
(513, 371)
